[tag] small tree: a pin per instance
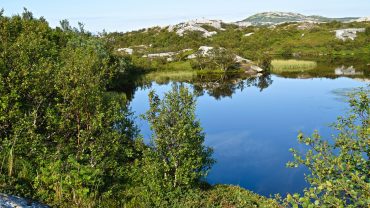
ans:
(177, 159)
(201, 61)
(340, 170)
(367, 31)
(222, 58)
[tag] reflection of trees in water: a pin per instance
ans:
(226, 86)
(129, 84)
(217, 86)
(332, 68)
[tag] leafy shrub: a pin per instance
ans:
(339, 169)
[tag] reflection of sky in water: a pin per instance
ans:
(252, 132)
(342, 94)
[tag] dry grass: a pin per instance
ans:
(165, 76)
(292, 65)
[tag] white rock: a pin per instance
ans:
(242, 24)
(8, 201)
(192, 56)
(240, 59)
(203, 51)
(196, 25)
(256, 68)
(350, 33)
(126, 50)
(209, 34)
(166, 54)
(186, 50)
(363, 19)
(248, 34)
(214, 23)
(346, 71)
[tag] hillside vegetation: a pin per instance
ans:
(68, 137)
(253, 42)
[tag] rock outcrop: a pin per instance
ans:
(129, 51)
(244, 63)
(350, 33)
(203, 50)
(9, 201)
(248, 34)
(363, 19)
(348, 71)
(276, 18)
(197, 25)
(169, 55)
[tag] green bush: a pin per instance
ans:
(339, 169)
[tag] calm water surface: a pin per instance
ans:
(251, 124)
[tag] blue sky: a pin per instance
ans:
(126, 15)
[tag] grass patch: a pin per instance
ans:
(219, 71)
(166, 76)
(292, 65)
(180, 65)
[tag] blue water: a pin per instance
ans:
(251, 131)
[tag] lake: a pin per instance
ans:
(251, 122)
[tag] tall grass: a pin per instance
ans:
(166, 76)
(180, 65)
(292, 65)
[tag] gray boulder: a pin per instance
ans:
(9, 201)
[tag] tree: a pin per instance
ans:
(64, 24)
(340, 170)
(201, 61)
(64, 139)
(177, 159)
(27, 15)
(264, 61)
(216, 58)
(367, 31)
(222, 58)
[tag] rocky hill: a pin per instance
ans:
(274, 18)
(205, 26)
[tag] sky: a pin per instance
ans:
(127, 15)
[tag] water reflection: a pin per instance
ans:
(251, 122)
(348, 71)
(225, 86)
(334, 67)
(253, 126)
(216, 85)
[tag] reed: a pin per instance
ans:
(292, 65)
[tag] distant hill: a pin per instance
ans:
(273, 18)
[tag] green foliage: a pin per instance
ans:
(177, 160)
(216, 58)
(340, 169)
(64, 139)
(367, 31)
(287, 51)
(222, 58)
(264, 61)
